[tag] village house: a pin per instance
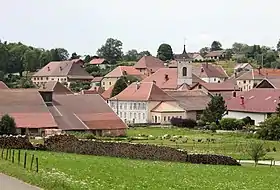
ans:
(210, 73)
(250, 79)
(216, 55)
(100, 62)
(196, 57)
(225, 89)
(136, 102)
(96, 81)
(111, 78)
(193, 102)
(269, 83)
(258, 104)
(28, 109)
(148, 65)
(243, 67)
(61, 71)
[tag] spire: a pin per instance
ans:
(184, 51)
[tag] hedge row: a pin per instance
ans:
(211, 159)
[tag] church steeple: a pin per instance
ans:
(184, 51)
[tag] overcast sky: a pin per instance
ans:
(83, 26)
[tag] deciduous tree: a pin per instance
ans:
(165, 52)
(111, 50)
(216, 45)
(7, 125)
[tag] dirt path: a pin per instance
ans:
(10, 183)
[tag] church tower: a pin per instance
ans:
(184, 68)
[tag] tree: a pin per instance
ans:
(131, 55)
(216, 45)
(74, 56)
(59, 54)
(215, 109)
(122, 83)
(270, 129)
(111, 50)
(16, 62)
(87, 59)
(165, 52)
(143, 53)
(256, 151)
(119, 86)
(7, 125)
(229, 53)
(2, 75)
(278, 110)
(204, 51)
(31, 60)
(239, 48)
(4, 58)
(278, 46)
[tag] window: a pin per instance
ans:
(124, 115)
(120, 114)
(103, 83)
(244, 81)
(134, 115)
(180, 117)
(47, 78)
(52, 78)
(110, 83)
(130, 106)
(134, 106)
(143, 115)
(214, 79)
(139, 116)
(125, 106)
(113, 105)
(184, 70)
(130, 115)
(164, 118)
(168, 118)
(120, 105)
(139, 106)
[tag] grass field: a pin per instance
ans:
(61, 171)
(231, 144)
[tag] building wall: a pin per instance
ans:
(164, 118)
(106, 83)
(213, 79)
(39, 81)
(258, 117)
(199, 58)
(191, 115)
(114, 133)
(184, 79)
(246, 85)
(131, 111)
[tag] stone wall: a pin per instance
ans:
(16, 142)
(70, 144)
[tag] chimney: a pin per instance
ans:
(137, 85)
(242, 100)
(154, 82)
(235, 74)
(202, 69)
(60, 68)
(259, 69)
(234, 94)
(49, 68)
(166, 77)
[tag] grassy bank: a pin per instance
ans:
(59, 171)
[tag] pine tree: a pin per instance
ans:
(214, 110)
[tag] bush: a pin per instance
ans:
(7, 125)
(270, 129)
(231, 124)
(256, 151)
(274, 149)
(184, 123)
(248, 121)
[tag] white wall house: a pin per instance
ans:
(131, 111)
(257, 117)
(213, 79)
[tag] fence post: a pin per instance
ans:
(37, 165)
(24, 162)
(2, 154)
(271, 162)
(32, 159)
(13, 156)
(7, 151)
(18, 157)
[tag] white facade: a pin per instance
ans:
(257, 117)
(184, 72)
(131, 111)
(39, 81)
(213, 79)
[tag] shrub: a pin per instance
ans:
(270, 129)
(256, 151)
(90, 136)
(267, 149)
(274, 149)
(248, 121)
(7, 125)
(231, 124)
(185, 123)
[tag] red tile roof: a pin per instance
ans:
(160, 80)
(97, 79)
(27, 107)
(224, 86)
(84, 112)
(258, 100)
(143, 91)
(149, 62)
(124, 70)
(257, 74)
(94, 90)
(208, 70)
(63, 69)
(107, 93)
(55, 87)
(3, 85)
(97, 61)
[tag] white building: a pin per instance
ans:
(258, 104)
